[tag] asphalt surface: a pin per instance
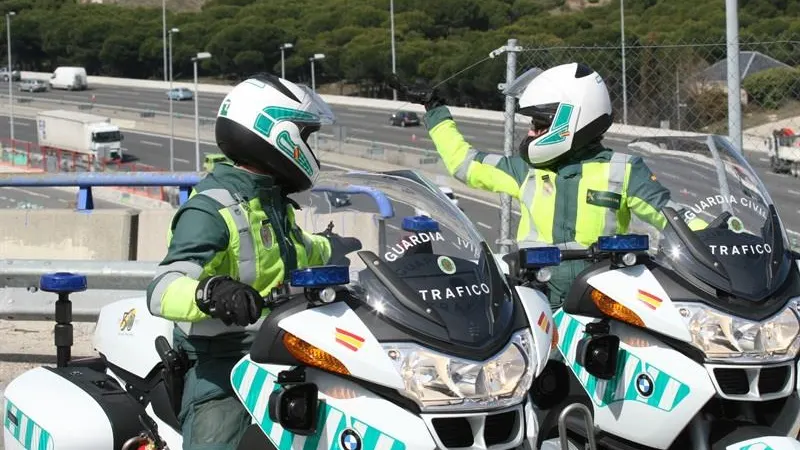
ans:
(373, 125)
(360, 123)
(38, 198)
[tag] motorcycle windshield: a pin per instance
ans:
(718, 227)
(423, 265)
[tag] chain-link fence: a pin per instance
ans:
(682, 86)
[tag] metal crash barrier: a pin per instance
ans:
(23, 298)
(184, 181)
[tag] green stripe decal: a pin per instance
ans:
(264, 383)
(667, 391)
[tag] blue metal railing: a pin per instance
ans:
(184, 181)
(84, 181)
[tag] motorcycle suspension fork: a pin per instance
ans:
(699, 432)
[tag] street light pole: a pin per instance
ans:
(200, 56)
(284, 47)
(624, 75)
(164, 34)
(394, 59)
(171, 119)
(317, 56)
(10, 78)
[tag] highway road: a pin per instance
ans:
(154, 150)
(369, 124)
(359, 123)
(38, 198)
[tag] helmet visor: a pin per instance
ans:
(312, 103)
(517, 87)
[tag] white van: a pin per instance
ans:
(70, 78)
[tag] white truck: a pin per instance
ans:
(79, 132)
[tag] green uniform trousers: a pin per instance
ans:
(211, 416)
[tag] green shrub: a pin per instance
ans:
(771, 88)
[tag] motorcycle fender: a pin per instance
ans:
(766, 443)
(346, 409)
(540, 318)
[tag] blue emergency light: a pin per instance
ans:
(623, 243)
(536, 257)
(320, 277)
(62, 282)
(420, 224)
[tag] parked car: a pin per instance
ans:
(338, 199)
(33, 86)
(404, 119)
(15, 74)
(180, 94)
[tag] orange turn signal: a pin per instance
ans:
(611, 308)
(312, 356)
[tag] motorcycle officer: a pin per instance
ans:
(234, 241)
(571, 188)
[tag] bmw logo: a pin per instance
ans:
(350, 440)
(644, 384)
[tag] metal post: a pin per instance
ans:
(734, 76)
(10, 78)
(164, 34)
(677, 101)
(394, 58)
(196, 120)
(171, 119)
(508, 144)
(624, 72)
(314, 89)
(283, 66)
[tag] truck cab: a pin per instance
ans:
(107, 141)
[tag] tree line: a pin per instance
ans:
(434, 39)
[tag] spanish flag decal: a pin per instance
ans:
(349, 340)
(650, 300)
(543, 323)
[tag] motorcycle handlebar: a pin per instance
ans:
(567, 255)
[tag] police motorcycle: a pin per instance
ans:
(684, 336)
(418, 343)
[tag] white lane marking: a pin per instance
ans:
(25, 191)
(497, 132)
(394, 227)
(670, 175)
(349, 114)
(484, 225)
(148, 104)
(185, 161)
(362, 130)
(154, 144)
(21, 124)
(793, 192)
(763, 159)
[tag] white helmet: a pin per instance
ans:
(569, 106)
(265, 122)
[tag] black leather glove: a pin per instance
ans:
(340, 246)
(229, 300)
(427, 97)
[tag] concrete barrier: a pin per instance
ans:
(109, 234)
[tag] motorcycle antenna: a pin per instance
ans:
(401, 87)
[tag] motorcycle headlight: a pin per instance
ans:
(436, 381)
(724, 337)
